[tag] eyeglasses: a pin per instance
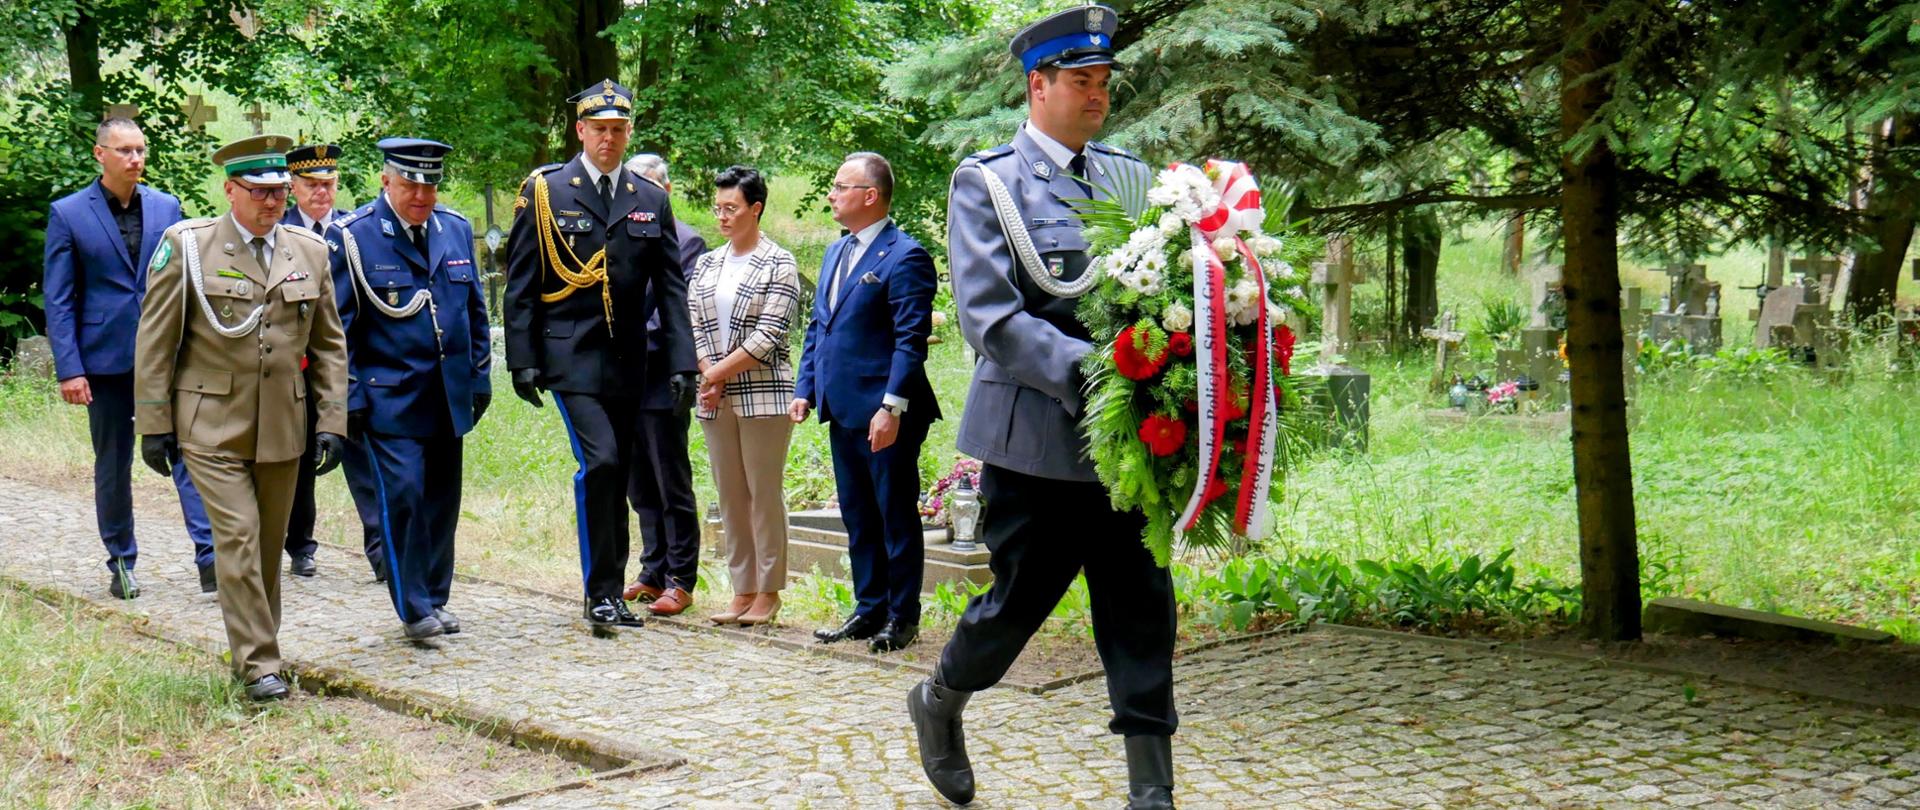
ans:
(130, 152)
(264, 192)
(727, 210)
(842, 188)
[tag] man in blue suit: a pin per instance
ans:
(417, 360)
(864, 367)
(99, 240)
(315, 169)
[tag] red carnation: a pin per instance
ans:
(1163, 434)
(1133, 363)
(1283, 345)
(1181, 344)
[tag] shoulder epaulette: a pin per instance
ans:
(985, 155)
(196, 224)
(353, 216)
(1112, 150)
(442, 208)
(302, 233)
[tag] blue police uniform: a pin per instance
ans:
(321, 161)
(96, 257)
(1047, 517)
(418, 353)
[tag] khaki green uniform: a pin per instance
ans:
(237, 403)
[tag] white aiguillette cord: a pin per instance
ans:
(421, 297)
(1021, 243)
(191, 247)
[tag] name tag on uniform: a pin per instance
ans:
(641, 216)
(1042, 222)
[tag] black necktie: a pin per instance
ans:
(259, 244)
(319, 228)
(419, 236)
(606, 192)
(1078, 168)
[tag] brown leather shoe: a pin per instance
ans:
(640, 592)
(765, 607)
(671, 603)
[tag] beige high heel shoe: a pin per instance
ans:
(765, 607)
(741, 602)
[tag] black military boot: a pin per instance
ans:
(1149, 772)
(935, 710)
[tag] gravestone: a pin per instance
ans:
(127, 111)
(1633, 329)
(198, 113)
(1335, 276)
(32, 358)
(1793, 318)
(1540, 341)
(259, 117)
(1690, 311)
(1446, 345)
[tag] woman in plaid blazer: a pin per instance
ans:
(743, 296)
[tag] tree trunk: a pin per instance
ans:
(1590, 215)
(1420, 238)
(1890, 221)
(83, 65)
(585, 57)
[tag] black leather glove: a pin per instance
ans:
(357, 424)
(524, 387)
(480, 403)
(328, 448)
(160, 451)
(684, 386)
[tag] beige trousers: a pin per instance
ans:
(749, 458)
(247, 505)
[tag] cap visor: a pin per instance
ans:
(271, 178)
(318, 174)
(603, 114)
(424, 179)
(1088, 60)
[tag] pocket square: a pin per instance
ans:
(869, 278)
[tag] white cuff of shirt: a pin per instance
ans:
(897, 402)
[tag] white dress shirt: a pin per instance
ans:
(248, 237)
(1055, 151)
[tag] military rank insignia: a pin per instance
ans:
(519, 203)
(386, 226)
(575, 182)
(1042, 170)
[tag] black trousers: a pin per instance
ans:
(880, 504)
(661, 488)
(110, 424)
(356, 465)
(300, 521)
(605, 434)
(1042, 532)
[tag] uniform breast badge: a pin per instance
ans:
(1056, 266)
(243, 288)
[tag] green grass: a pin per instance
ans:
(92, 716)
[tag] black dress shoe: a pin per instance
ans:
(1149, 772)
(448, 621)
(627, 618)
(425, 628)
(268, 687)
(123, 585)
(935, 710)
(379, 570)
(209, 583)
(896, 636)
(858, 626)
(303, 565)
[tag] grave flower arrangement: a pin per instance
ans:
(933, 507)
(1504, 395)
(1187, 413)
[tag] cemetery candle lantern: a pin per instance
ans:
(1457, 395)
(963, 509)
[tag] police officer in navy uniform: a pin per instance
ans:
(316, 176)
(418, 353)
(593, 252)
(1046, 517)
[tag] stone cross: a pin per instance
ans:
(1446, 340)
(199, 113)
(259, 117)
(1336, 277)
(1543, 280)
(127, 111)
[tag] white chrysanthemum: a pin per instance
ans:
(1264, 245)
(1145, 241)
(1155, 261)
(1176, 317)
(1242, 298)
(1147, 282)
(1115, 264)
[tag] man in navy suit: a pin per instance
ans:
(865, 369)
(99, 240)
(315, 169)
(418, 352)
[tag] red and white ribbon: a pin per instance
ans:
(1239, 211)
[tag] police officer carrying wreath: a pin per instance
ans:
(418, 353)
(233, 305)
(588, 239)
(1019, 261)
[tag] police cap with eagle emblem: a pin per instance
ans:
(1076, 38)
(416, 159)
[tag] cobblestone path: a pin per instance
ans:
(1315, 720)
